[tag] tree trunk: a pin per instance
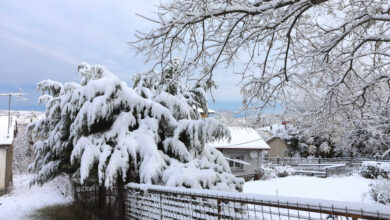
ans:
(102, 197)
(120, 197)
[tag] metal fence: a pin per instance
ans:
(314, 169)
(88, 195)
(161, 202)
(97, 202)
(293, 161)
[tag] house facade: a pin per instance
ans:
(244, 151)
(6, 153)
(278, 147)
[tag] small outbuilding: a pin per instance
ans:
(6, 153)
(278, 146)
(244, 151)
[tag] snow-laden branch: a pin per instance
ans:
(104, 131)
(296, 43)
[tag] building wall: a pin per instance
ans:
(255, 162)
(5, 167)
(278, 147)
(9, 174)
(3, 160)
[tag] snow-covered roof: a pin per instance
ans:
(242, 138)
(5, 138)
(273, 128)
(266, 135)
(201, 110)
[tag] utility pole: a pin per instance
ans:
(16, 95)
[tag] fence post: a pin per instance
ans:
(219, 208)
(161, 213)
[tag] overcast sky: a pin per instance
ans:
(44, 39)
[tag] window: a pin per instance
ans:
(236, 164)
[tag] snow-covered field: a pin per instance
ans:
(23, 200)
(353, 188)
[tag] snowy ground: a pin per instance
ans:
(23, 200)
(340, 188)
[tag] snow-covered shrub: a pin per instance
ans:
(375, 170)
(283, 171)
(380, 191)
(265, 172)
(102, 129)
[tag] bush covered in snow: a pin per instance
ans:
(380, 191)
(380, 188)
(102, 129)
(375, 170)
(265, 172)
(283, 171)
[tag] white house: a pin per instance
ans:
(6, 150)
(244, 151)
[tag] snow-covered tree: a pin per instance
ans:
(324, 59)
(227, 118)
(325, 44)
(353, 131)
(324, 148)
(369, 136)
(101, 129)
(312, 149)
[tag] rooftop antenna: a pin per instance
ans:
(19, 96)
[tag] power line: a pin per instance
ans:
(242, 143)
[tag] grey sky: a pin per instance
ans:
(44, 39)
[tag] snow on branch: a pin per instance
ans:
(103, 130)
(277, 45)
(326, 62)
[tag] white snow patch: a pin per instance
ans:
(353, 188)
(24, 200)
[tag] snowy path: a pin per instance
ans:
(343, 188)
(23, 200)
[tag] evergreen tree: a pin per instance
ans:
(103, 129)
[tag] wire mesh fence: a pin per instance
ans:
(294, 161)
(161, 202)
